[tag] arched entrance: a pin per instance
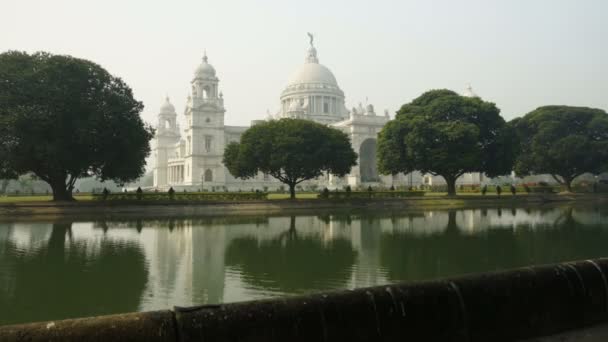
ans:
(208, 176)
(367, 161)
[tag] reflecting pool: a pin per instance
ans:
(56, 270)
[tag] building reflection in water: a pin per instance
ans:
(111, 266)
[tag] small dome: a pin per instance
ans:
(167, 107)
(204, 70)
(313, 73)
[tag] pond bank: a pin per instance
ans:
(569, 299)
(125, 209)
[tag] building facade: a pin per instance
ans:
(192, 158)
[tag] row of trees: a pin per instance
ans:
(448, 135)
(64, 118)
(439, 133)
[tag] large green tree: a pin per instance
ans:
(62, 118)
(562, 141)
(447, 135)
(290, 150)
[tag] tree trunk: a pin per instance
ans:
(451, 181)
(60, 193)
(568, 184)
(565, 181)
(292, 191)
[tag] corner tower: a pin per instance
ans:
(167, 135)
(205, 129)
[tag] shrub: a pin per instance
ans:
(484, 189)
(498, 190)
(513, 190)
(171, 193)
(324, 193)
(527, 188)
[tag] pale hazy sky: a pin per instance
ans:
(520, 54)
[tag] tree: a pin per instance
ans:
(562, 141)
(63, 118)
(290, 150)
(4, 185)
(445, 134)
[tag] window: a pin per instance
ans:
(208, 175)
(266, 177)
(208, 140)
(326, 108)
(207, 120)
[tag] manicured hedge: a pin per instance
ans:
(373, 194)
(545, 189)
(184, 196)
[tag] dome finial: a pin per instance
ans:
(311, 56)
(312, 39)
(205, 56)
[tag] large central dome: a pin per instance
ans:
(312, 92)
(309, 73)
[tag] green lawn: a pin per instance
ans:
(38, 198)
(274, 196)
(271, 196)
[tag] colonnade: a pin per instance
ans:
(176, 174)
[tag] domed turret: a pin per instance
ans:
(369, 110)
(167, 107)
(167, 119)
(204, 70)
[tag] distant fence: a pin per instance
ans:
(503, 306)
(372, 194)
(182, 196)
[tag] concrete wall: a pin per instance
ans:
(504, 306)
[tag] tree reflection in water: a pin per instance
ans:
(194, 261)
(292, 263)
(62, 279)
(416, 256)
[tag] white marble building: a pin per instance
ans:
(192, 158)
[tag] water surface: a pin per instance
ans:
(61, 270)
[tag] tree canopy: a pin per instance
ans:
(290, 150)
(448, 135)
(563, 141)
(63, 118)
